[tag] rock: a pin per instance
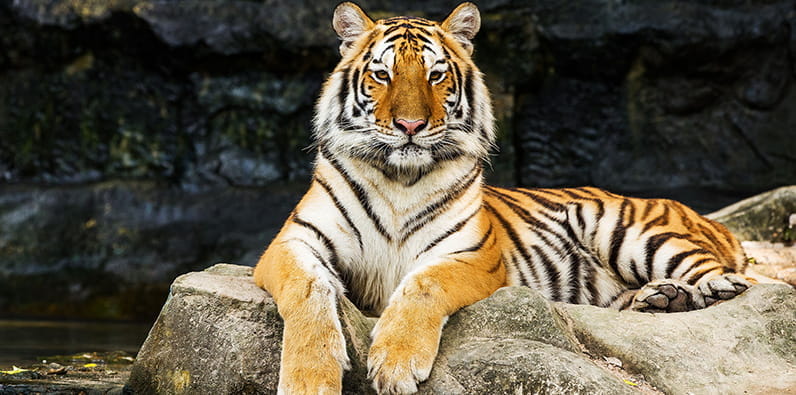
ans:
(219, 332)
(745, 345)
(514, 342)
(763, 217)
(771, 260)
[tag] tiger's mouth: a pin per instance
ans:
(410, 155)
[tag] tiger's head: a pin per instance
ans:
(406, 96)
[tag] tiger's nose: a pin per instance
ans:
(410, 128)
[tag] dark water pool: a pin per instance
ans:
(24, 342)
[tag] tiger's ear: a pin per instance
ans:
(350, 22)
(463, 23)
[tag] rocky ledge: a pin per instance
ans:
(219, 333)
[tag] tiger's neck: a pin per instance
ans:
(396, 200)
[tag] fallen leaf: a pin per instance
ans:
(14, 370)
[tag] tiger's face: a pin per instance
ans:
(406, 97)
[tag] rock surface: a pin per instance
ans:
(219, 332)
(763, 217)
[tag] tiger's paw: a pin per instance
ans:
(723, 287)
(667, 296)
(397, 363)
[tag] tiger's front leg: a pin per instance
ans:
(406, 337)
(313, 347)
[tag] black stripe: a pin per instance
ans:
(317, 254)
(618, 235)
(648, 209)
(574, 277)
(393, 38)
(568, 243)
(427, 48)
(552, 273)
(579, 216)
(523, 279)
(449, 232)
(515, 240)
(333, 260)
(496, 266)
(591, 283)
(654, 243)
(342, 119)
(684, 216)
(588, 190)
(544, 202)
(702, 270)
(433, 210)
(469, 92)
(661, 220)
(536, 224)
(637, 273)
(478, 245)
(405, 20)
(342, 210)
(572, 194)
(424, 38)
(359, 192)
(457, 85)
(678, 259)
(355, 85)
(720, 248)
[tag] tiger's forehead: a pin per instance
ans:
(397, 20)
(406, 36)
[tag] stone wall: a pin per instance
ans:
(144, 139)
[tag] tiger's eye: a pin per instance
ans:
(382, 75)
(434, 76)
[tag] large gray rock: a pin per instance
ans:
(746, 345)
(513, 343)
(763, 217)
(218, 332)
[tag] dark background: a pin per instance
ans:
(140, 140)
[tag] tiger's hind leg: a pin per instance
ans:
(670, 295)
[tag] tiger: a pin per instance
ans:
(398, 218)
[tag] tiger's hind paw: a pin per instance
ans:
(723, 287)
(667, 296)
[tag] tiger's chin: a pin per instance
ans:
(410, 157)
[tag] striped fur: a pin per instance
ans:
(398, 219)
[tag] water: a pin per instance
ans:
(25, 342)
